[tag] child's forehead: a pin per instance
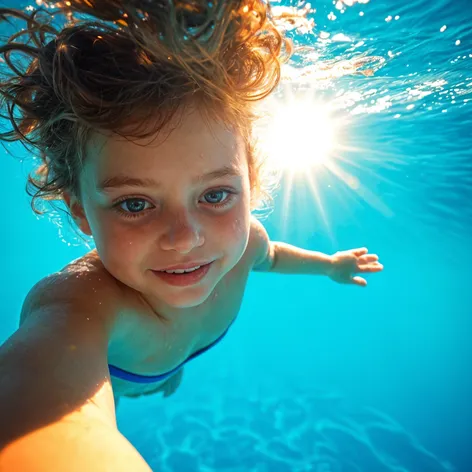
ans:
(174, 148)
(191, 133)
(186, 150)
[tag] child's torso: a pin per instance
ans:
(144, 344)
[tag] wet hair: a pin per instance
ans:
(117, 66)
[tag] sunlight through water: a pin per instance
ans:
(301, 134)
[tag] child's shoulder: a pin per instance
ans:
(258, 244)
(84, 284)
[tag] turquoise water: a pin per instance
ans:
(315, 376)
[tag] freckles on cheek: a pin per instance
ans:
(117, 241)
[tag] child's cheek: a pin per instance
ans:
(236, 228)
(118, 242)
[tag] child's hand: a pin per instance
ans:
(171, 385)
(345, 264)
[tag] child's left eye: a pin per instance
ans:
(217, 197)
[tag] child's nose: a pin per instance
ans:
(182, 234)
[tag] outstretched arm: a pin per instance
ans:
(56, 400)
(342, 267)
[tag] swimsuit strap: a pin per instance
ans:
(139, 378)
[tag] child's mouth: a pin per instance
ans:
(183, 279)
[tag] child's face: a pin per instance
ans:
(185, 199)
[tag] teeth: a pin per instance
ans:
(181, 271)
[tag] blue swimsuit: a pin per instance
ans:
(143, 379)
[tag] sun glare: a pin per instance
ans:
(304, 141)
(299, 135)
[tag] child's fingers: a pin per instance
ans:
(374, 267)
(368, 258)
(168, 390)
(359, 251)
(359, 281)
(172, 384)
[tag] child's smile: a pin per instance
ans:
(184, 277)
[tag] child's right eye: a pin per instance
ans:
(133, 206)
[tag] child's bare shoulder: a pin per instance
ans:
(84, 284)
(258, 244)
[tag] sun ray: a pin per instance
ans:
(317, 194)
(368, 196)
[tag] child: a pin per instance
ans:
(142, 119)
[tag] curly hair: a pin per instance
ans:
(116, 65)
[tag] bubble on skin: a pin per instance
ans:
(237, 225)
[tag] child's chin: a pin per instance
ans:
(186, 301)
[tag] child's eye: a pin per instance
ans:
(133, 206)
(217, 197)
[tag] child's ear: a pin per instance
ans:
(77, 212)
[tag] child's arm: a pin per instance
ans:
(271, 256)
(56, 402)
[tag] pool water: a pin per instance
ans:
(315, 376)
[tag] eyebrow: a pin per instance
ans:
(125, 181)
